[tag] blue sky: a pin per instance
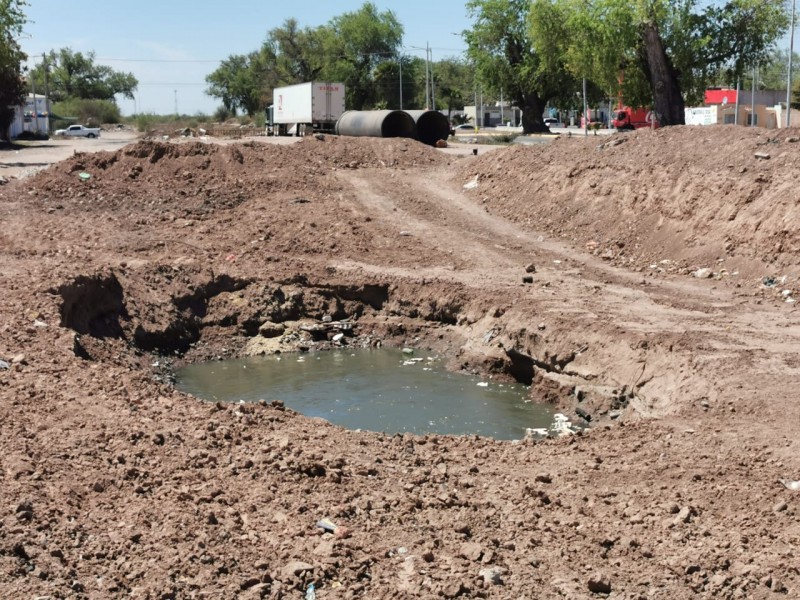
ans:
(171, 45)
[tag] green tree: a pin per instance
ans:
(454, 83)
(674, 47)
(12, 85)
(508, 60)
(288, 55)
(76, 75)
(355, 45)
(238, 82)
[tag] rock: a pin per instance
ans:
(704, 273)
(527, 279)
(441, 143)
(780, 507)
(792, 139)
(294, 568)
(599, 584)
(327, 319)
(271, 330)
(471, 551)
(762, 155)
(4, 365)
(531, 268)
(492, 575)
(544, 478)
(684, 515)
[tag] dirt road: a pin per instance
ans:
(658, 302)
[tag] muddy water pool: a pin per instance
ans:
(374, 390)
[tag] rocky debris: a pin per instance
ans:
(599, 584)
(116, 485)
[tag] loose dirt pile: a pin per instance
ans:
(683, 198)
(113, 484)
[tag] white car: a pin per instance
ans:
(79, 131)
(551, 122)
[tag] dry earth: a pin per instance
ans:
(661, 271)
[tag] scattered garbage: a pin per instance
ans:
(483, 384)
(327, 525)
(84, 176)
(471, 184)
(790, 484)
(408, 351)
(4, 365)
(769, 281)
(311, 594)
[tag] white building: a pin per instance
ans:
(34, 116)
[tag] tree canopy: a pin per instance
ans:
(76, 75)
(358, 48)
(12, 86)
(661, 52)
(507, 60)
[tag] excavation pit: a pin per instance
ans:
(374, 390)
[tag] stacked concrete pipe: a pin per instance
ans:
(376, 123)
(432, 126)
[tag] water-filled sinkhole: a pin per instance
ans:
(374, 390)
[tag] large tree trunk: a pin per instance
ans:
(532, 109)
(667, 97)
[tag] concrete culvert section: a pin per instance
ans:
(432, 126)
(376, 123)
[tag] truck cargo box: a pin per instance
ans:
(315, 102)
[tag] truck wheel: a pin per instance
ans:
(91, 135)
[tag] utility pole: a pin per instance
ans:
(433, 85)
(789, 75)
(176, 103)
(427, 78)
(401, 81)
(736, 114)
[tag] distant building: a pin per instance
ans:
(765, 108)
(33, 116)
(494, 115)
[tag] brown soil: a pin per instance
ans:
(114, 484)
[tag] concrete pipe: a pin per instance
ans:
(432, 126)
(376, 123)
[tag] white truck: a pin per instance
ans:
(79, 131)
(305, 108)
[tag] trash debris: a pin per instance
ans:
(483, 384)
(471, 184)
(408, 351)
(311, 594)
(704, 273)
(789, 484)
(762, 155)
(84, 176)
(4, 365)
(769, 281)
(327, 525)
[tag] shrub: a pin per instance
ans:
(87, 112)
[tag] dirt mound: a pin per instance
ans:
(115, 484)
(195, 173)
(679, 197)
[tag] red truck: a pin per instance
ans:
(628, 118)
